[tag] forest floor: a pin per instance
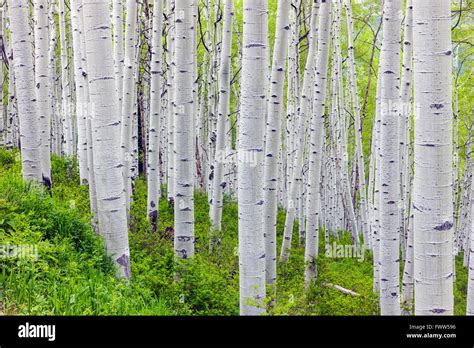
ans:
(72, 274)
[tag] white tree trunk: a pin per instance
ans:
(389, 162)
(170, 61)
(432, 191)
(313, 203)
(42, 80)
(184, 129)
(106, 123)
(128, 96)
(304, 112)
(275, 109)
(153, 173)
(222, 116)
(66, 115)
(117, 14)
(250, 160)
(25, 89)
(81, 97)
(357, 125)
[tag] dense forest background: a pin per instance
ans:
(140, 199)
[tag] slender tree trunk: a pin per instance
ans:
(25, 90)
(222, 115)
(66, 115)
(273, 135)
(389, 162)
(304, 112)
(250, 160)
(170, 62)
(106, 123)
(313, 203)
(128, 96)
(153, 172)
(432, 190)
(42, 80)
(406, 92)
(358, 127)
(81, 98)
(184, 130)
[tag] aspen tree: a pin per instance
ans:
(222, 116)
(184, 129)
(250, 159)
(153, 173)
(81, 97)
(273, 136)
(108, 164)
(128, 96)
(389, 160)
(41, 31)
(66, 115)
(22, 65)
(315, 144)
(432, 190)
(305, 101)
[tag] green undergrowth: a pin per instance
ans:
(73, 275)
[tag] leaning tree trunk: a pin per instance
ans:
(25, 90)
(153, 172)
(432, 190)
(250, 160)
(306, 97)
(389, 161)
(184, 129)
(222, 115)
(42, 80)
(313, 204)
(358, 126)
(106, 123)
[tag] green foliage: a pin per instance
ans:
(73, 275)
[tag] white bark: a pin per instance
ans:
(66, 115)
(389, 162)
(184, 129)
(357, 125)
(432, 191)
(25, 89)
(306, 98)
(117, 14)
(222, 116)
(153, 172)
(170, 55)
(313, 203)
(250, 160)
(128, 96)
(81, 97)
(273, 136)
(106, 123)
(42, 80)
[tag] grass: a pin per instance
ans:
(73, 275)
